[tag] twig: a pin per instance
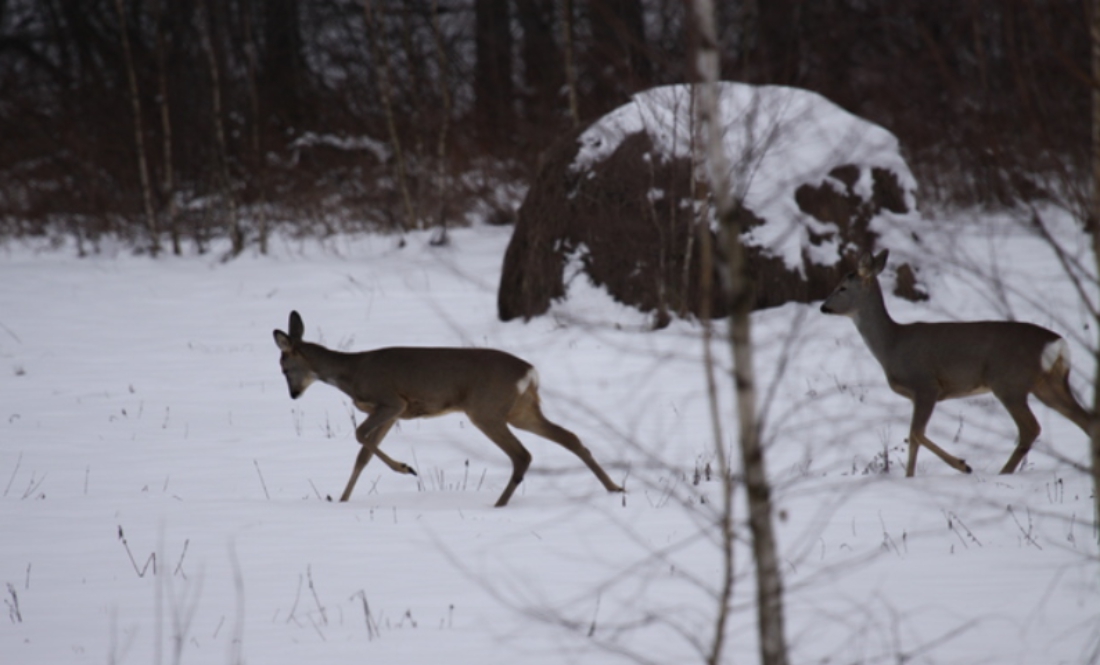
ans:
(318, 629)
(13, 605)
(238, 623)
(264, 484)
(183, 554)
(887, 539)
(33, 486)
(313, 590)
(297, 595)
(10, 332)
(152, 560)
(951, 519)
(18, 463)
(595, 612)
(1026, 532)
(372, 625)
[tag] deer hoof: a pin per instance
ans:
(965, 467)
(409, 470)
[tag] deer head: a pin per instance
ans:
(298, 372)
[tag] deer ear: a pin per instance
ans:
(283, 341)
(866, 267)
(880, 260)
(869, 265)
(296, 327)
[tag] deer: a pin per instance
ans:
(931, 362)
(493, 388)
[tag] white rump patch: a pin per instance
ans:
(1053, 352)
(531, 378)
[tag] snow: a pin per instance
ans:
(144, 416)
(778, 139)
(377, 148)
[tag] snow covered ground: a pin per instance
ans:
(163, 498)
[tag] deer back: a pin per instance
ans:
(437, 380)
(967, 358)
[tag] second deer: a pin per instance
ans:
(930, 362)
(494, 389)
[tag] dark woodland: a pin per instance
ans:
(172, 123)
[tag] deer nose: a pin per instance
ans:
(825, 308)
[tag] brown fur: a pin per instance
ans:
(418, 382)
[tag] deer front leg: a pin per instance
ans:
(370, 434)
(376, 439)
(360, 461)
(922, 413)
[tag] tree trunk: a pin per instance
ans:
(441, 144)
(570, 62)
(233, 222)
(139, 135)
(283, 62)
(769, 586)
(256, 149)
(620, 58)
(541, 57)
(493, 90)
(1093, 229)
(382, 67)
(168, 179)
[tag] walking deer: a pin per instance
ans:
(493, 388)
(930, 362)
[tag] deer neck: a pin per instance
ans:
(332, 367)
(875, 325)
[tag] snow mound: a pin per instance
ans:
(778, 139)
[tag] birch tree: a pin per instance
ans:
(721, 174)
(1092, 227)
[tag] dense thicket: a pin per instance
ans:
(173, 120)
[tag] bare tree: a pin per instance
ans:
(1079, 196)
(236, 232)
(253, 65)
(139, 134)
(382, 66)
(493, 89)
(1092, 226)
(736, 284)
(542, 71)
(570, 63)
(444, 126)
(619, 59)
(168, 174)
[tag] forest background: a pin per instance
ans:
(169, 123)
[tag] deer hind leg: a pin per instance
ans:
(498, 433)
(922, 413)
(1053, 390)
(527, 415)
(1027, 425)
